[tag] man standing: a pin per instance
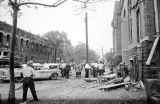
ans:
(101, 69)
(68, 68)
(95, 70)
(28, 73)
(63, 71)
(87, 68)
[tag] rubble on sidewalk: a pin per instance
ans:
(108, 82)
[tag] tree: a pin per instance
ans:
(79, 53)
(58, 41)
(15, 6)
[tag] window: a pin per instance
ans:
(130, 28)
(16, 42)
(138, 25)
(26, 59)
(36, 47)
(27, 43)
(40, 48)
(4, 64)
(124, 13)
(5, 53)
(21, 43)
(32, 45)
(8, 40)
(8, 37)
(1, 37)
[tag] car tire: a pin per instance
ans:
(53, 76)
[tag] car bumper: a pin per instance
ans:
(4, 78)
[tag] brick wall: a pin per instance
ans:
(149, 17)
(39, 52)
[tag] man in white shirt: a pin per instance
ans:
(101, 69)
(87, 68)
(28, 73)
(63, 71)
(95, 69)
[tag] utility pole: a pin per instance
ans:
(86, 25)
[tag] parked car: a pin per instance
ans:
(46, 73)
(4, 70)
(41, 73)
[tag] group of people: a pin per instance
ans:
(122, 70)
(65, 69)
(28, 73)
(97, 69)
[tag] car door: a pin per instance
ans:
(42, 73)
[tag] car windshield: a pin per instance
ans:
(5, 64)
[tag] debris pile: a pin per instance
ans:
(111, 81)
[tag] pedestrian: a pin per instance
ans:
(63, 69)
(101, 69)
(28, 73)
(95, 70)
(67, 70)
(87, 68)
(126, 70)
(78, 69)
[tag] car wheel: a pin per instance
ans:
(53, 76)
(18, 79)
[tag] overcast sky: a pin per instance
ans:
(69, 19)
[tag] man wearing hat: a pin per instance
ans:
(28, 73)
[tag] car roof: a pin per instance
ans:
(37, 64)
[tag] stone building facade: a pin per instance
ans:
(142, 21)
(116, 22)
(124, 11)
(27, 47)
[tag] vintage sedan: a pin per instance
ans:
(4, 70)
(43, 73)
(39, 73)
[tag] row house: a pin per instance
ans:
(140, 37)
(27, 46)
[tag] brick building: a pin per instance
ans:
(140, 26)
(27, 47)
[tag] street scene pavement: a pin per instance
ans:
(74, 91)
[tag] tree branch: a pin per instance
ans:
(11, 2)
(41, 4)
(88, 1)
